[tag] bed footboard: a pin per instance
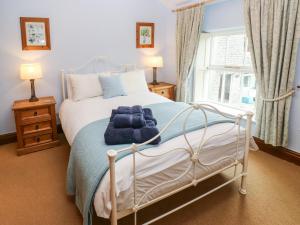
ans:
(141, 202)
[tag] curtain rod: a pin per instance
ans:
(192, 5)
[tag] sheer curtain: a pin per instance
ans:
(189, 22)
(273, 31)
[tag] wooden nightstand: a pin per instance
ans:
(163, 89)
(35, 125)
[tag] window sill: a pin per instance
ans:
(228, 110)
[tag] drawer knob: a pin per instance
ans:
(162, 92)
(38, 139)
(37, 127)
(35, 113)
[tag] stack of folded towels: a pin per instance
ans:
(131, 125)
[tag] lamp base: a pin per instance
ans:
(155, 83)
(33, 99)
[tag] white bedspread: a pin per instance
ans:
(150, 171)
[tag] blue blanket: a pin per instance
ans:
(88, 161)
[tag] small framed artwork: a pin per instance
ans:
(145, 35)
(35, 33)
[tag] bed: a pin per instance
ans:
(147, 174)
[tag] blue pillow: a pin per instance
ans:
(112, 86)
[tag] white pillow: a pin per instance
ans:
(68, 81)
(134, 81)
(84, 86)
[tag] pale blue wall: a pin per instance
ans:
(80, 30)
(223, 15)
(229, 14)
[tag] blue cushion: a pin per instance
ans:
(112, 86)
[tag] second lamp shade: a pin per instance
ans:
(30, 71)
(155, 61)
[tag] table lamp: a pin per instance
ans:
(31, 72)
(155, 62)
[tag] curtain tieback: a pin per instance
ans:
(280, 97)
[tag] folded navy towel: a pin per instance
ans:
(129, 120)
(148, 132)
(129, 110)
(147, 113)
(115, 136)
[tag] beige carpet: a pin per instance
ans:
(32, 192)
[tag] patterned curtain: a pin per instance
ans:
(273, 31)
(189, 24)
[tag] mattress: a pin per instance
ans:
(150, 170)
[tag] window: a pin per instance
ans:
(223, 70)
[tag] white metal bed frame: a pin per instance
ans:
(194, 160)
(193, 154)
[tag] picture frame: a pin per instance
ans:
(35, 33)
(145, 35)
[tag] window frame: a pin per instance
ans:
(206, 65)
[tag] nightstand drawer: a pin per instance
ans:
(163, 92)
(39, 139)
(34, 112)
(35, 115)
(163, 89)
(37, 127)
(37, 119)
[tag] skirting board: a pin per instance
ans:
(8, 138)
(12, 137)
(279, 152)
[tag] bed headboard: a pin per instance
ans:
(97, 64)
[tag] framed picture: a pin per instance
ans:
(145, 35)
(35, 33)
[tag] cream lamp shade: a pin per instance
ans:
(30, 71)
(155, 61)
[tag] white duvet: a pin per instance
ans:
(150, 171)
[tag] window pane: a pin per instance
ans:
(226, 88)
(219, 46)
(247, 61)
(248, 89)
(235, 50)
(214, 85)
(235, 89)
